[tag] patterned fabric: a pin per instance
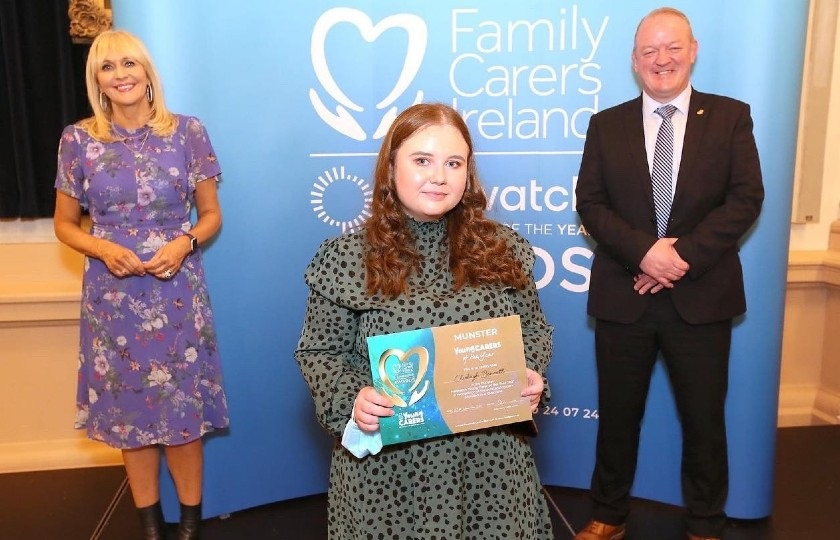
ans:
(477, 485)
(149, 370)
(662, 170)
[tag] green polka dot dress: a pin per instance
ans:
(478, 485)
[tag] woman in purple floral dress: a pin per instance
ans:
(149, 372)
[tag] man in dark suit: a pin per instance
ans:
(667, 216)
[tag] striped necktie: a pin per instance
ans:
(663, 163)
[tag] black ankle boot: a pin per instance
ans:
(190, 522)
(151, 518)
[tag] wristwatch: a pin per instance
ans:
(193, 242)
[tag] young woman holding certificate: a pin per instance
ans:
(427, 257)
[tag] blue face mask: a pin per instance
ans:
(360, 443)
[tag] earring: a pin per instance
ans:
(103, 101)
(150, 96)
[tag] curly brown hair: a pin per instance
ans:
(477, 255)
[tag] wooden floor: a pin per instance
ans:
(95, 504)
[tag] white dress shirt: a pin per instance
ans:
(652, 121)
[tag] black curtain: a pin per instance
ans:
(42, 89)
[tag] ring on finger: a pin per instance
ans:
(167, 274)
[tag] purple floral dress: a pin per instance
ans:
(149, 370)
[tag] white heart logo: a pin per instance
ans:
(342, 120)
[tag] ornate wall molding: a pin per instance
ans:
(88, 18)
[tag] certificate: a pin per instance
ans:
(450, 379)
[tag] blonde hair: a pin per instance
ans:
(161, 121)
(664, 11)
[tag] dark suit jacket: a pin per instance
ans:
(718, 197)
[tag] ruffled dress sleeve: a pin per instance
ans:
(327, 352)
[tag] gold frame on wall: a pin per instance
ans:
(88, 18)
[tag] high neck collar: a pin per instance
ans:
(426, 231)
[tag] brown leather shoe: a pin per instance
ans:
(595, 530)
(695, 537)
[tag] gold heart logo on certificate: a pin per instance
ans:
(405, 373)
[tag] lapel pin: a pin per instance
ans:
(700, 111)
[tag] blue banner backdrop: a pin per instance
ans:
(296, 101)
